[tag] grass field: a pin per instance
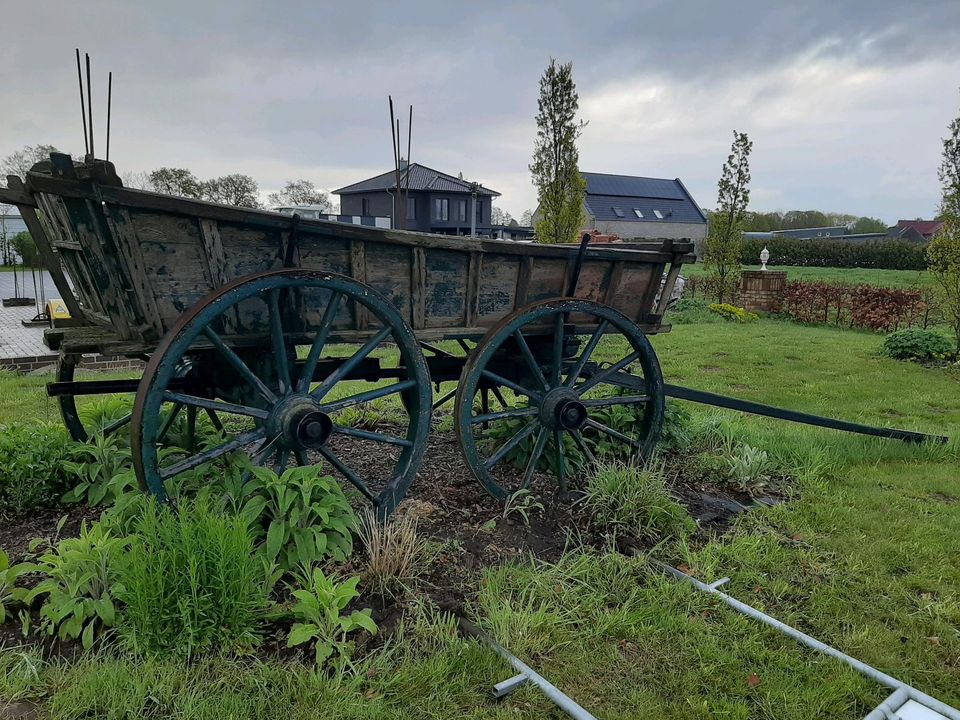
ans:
(849, 276)
(864, 559)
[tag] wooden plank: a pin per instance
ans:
(101, 252)
(128, 242)
(50, 258)
(613, 284)
(653, 287)
(523, 281)
(214, 258)
(472, 298)
(668, 288)
(358, 271)
(418, 288)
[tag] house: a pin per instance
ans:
(322, 212)
(637, 208)
(917, 231)
(814, 233)
(11, 224)
(437, 202)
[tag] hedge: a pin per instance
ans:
(884, 254)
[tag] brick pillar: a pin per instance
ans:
(762, 290)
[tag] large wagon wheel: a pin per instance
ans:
(559, 384)
(73, 419)
(276, 408)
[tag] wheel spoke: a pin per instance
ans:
(368, 435)
(531, 360)
(561, 470)
(319, 341)
(240, 366)
(616, 400)
(587, 352)
(584, 448)
(510, 444)
(534, 457)
(604, 374)
(557, 350)
(116, 425)
(210, 405)
(613, 433)
(348, 474)
(215, 419)
(344, 369)
(445, 398)
(500, 380)
(264, 451)
(499, 396)
(490, 417)
(281, 464)
(302, 459)
(168, 423)
(191, 428)
(368, 396)
(212, 454)
(440, 352)
(279, 348)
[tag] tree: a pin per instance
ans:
(300, 192)
(175, 181)
(526, 218)
(137, 180)
(868, 225)
(19, 162)
(943, 253)
(725, 235)
(500, 217)
(560, 186)
(26, 248)
(235, 189)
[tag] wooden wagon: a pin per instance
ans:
(242, 317)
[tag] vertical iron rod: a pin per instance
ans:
(406, 192)
(109, 103)
(90, 106)
(83, 109)
(396, 166)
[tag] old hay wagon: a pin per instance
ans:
(278, 337)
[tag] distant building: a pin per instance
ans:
(641, 208)
(915, 230)
(812, 233)
(319, 212)
(437, 203)
(11, 224)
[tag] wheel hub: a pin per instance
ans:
(561, 409)
(300, 423)
(313, 429)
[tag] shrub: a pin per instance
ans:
(862, 306)
(732, 312)
(9, 593)
(26, 248)
(747, 468)
(678, 431)
(319, 612)
(884, 254)
(33, 472)
(394, 551)
(191, 581)
(689, 310)
(635, 500)
(95, 464)
(79, 584)
(916, 344)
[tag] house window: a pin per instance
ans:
(411, 208)
(658, 214)
(364, 206)
(461, 210)
(638, 213)
(441, 209)
(617, 211)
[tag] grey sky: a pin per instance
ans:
(846, 102)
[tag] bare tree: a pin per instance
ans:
(175, 181)
(235, 189)
(19, 162)
(300, 192)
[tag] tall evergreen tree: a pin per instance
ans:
(556, 175)
(725, 236)
(943, 253)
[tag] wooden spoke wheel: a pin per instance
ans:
(560, 388)
(78, 427)
(278, 405)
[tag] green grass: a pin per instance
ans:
(864, 558)
(848, 276)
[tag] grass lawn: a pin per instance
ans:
(849, 276)
(864, 558)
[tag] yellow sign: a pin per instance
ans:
(56, 310)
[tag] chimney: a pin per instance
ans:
(403, 163)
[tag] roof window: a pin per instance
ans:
(617, 211)
(658, 214)
(638, 213)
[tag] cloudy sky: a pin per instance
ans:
(846, 101)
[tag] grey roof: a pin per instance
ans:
(616, 197)
(422, 178)
(815, 232)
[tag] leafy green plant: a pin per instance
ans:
(99, 413)
(916, 344)
(95, 464)
(747, 468)
(190, 580)
(321, 620)
(79, 584)
(522, 503)
(303, 514)
(9, 592)
(732, 312)
(33, 472)
(677, 432)
(634, 499)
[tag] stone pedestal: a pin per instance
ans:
(763, 290)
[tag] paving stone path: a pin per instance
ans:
(17, 341)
